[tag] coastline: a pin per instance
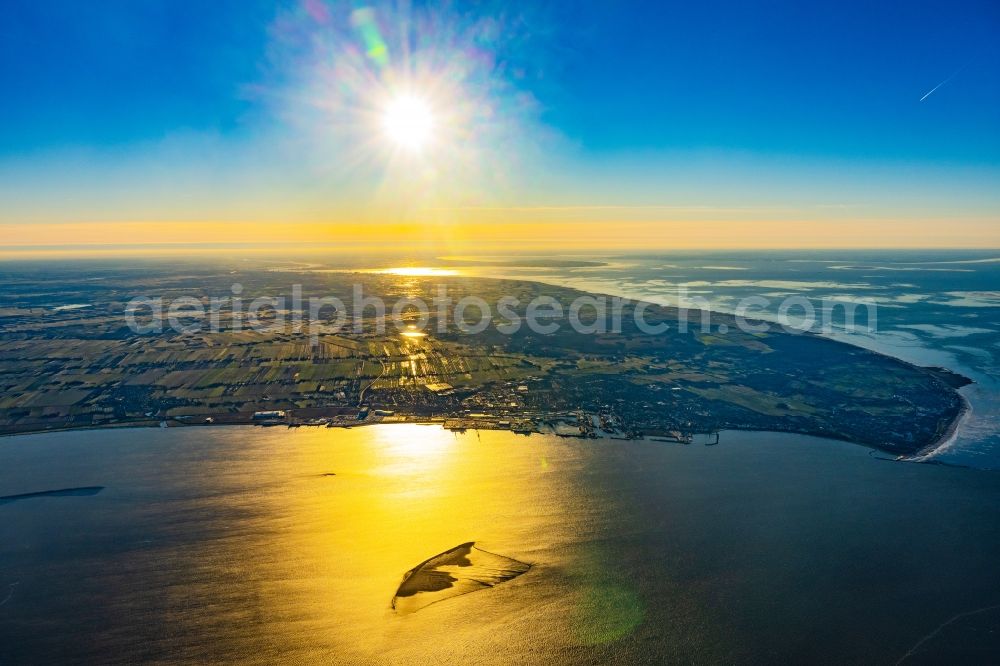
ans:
(948, 436)
(459, 424)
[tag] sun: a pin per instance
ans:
(408, 122)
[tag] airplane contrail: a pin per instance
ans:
(954, 74)
(929, 92)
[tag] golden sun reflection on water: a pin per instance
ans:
(418, 271)
(339, 545)
(285, 546)
(409, 449)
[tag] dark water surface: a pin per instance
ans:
(232, 545)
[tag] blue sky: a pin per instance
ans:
(628, 89)
(827, 78)
(117, 71)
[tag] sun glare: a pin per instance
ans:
(408, 122)
(418, 271)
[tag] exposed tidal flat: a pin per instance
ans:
(934, 308)
(283, 545)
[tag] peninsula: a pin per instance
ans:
(70, 357)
